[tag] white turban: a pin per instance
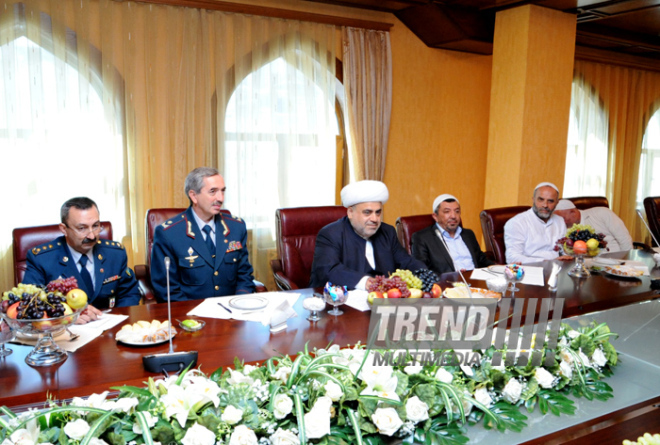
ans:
(442, 198)
(546, 184)
(364, 191)
(565, 204)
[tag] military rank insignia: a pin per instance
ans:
(234, 245)
(111, 279)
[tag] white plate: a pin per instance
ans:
(146, 343)
(618, 272)
(248, 303)
(497, 268)
(607, 261)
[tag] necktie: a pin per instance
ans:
(84, 273)
(209, 239)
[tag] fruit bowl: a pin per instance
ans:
(46, 352)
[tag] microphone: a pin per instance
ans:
(170, 361)
(647, 227)
(444, 243)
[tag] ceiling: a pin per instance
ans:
(630, 27)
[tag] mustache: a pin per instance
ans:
(217, 203)
(89, 241)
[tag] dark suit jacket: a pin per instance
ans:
(114, 282)
(194, 273)
(339, 255)
(428, 248)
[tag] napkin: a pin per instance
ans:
(552, 279)
(357, 299)
(210, 308)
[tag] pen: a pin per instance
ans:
(224, 307)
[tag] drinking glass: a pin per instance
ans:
(514, 273)
(314, 304)
(335, 297)
(7, 334)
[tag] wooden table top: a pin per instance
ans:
(104, 363)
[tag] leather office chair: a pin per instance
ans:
(407, 225)
(27, 238)
(492, 225)
(652, 207)
(296, 239)
(153, 219)
(587, 202)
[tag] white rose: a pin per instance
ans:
(126, 404)
(76, 429)
(333, 391)
(566, 356)
(413, 369)
(198, 435)
(243, 435)
(444, 376)
(512, 390)
(21, 437)
(565, 369)
(282, 406)
(545, 379)
(387, 421)
(584, 360)
(151, 422)
(247, 369)
(284, 437)
(317, 421)
(416, 410)
(96, 441)
(599, 358)
(282, 373)
(238, 377)
(481, 395)
(232, 415)
(573, 334)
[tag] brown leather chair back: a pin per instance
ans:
(407, 225)
(297, 229)
(27, 238)
(652, 207)
(492, 225)
(587, 202)
(154, 218)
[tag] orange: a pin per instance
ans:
(580, 247)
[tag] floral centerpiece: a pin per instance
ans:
(331, 396)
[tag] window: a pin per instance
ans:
(649, 183)
(58, 138)
(587, 153)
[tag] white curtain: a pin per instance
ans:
(368, 85)
(587, 158)
(649, 165)
(279, 144)
(60, 135)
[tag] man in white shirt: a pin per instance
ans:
(602, 219)
(531, 236)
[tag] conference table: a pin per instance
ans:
(104, 363)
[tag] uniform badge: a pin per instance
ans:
(65, 259)
(234, 245)
(225, 232)
(128, 271)
(111, 302)
(191, 257)
(110, 279)
(189, 231)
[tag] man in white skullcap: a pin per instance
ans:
(531, 236)
(359, 246)
(602, 219)
(446, 246)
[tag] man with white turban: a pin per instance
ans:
(531, 236)
(359, 246)
(602, 219)
(446, 246)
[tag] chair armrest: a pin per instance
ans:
(143, 277)
(282, 281)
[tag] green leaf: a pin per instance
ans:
(508, 416)
(146, 434)
(300, 416)
(356, 425)
(96, 428)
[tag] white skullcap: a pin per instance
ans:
(364, 191)
(564, 204)
(442, 198)
(546, 184)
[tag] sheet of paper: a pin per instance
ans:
(357, 299)
(209, 308)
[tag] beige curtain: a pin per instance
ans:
(162, 75)
(629, 96)
(368, 84)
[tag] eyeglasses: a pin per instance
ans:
(83, 230)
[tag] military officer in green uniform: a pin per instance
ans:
(99, 266)
(207, 248)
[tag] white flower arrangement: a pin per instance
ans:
(336, 392)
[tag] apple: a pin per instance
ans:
(592, 244)
(42, 325)
(427, 295)
(394, 293)
(12, 311)
(76, 298)
(373, 295)
(436, 290)
(67, 309)
(416, 293)
(580, 247)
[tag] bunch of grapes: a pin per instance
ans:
(411, 280)
(63, 285)
(580, 232)
(428, 277)
(382, 284)
(33, 302)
